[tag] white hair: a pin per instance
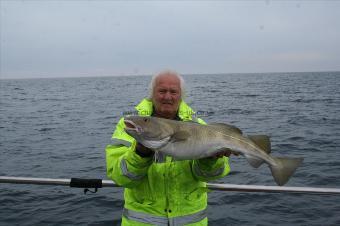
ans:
(167, 72)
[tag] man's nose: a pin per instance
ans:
(167, 96)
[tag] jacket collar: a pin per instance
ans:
(145, 108)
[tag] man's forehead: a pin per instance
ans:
(168, 80)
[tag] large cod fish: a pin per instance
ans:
(188, 140)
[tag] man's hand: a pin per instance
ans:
(227, 152)
(143, 151)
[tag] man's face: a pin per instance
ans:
(167, 96)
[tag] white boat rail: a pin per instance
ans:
(99, 183)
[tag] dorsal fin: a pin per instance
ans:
(223, 127)
(262, 141)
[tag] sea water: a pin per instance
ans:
(58, 128)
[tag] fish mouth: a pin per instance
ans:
(131, 126)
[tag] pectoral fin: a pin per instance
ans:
(180, 136)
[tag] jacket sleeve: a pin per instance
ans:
(123, 165)
(208, 169)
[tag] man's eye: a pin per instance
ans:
(174, 91)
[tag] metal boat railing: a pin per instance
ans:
(99, 183)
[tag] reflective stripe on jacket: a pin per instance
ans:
(167, 190)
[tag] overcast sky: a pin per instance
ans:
(108, 38)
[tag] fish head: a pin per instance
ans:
(152, 132)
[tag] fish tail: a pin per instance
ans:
(284, 168)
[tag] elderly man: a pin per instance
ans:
(165, 192)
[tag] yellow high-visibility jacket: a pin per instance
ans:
(166, 192)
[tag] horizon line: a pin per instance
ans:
(147, 75)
